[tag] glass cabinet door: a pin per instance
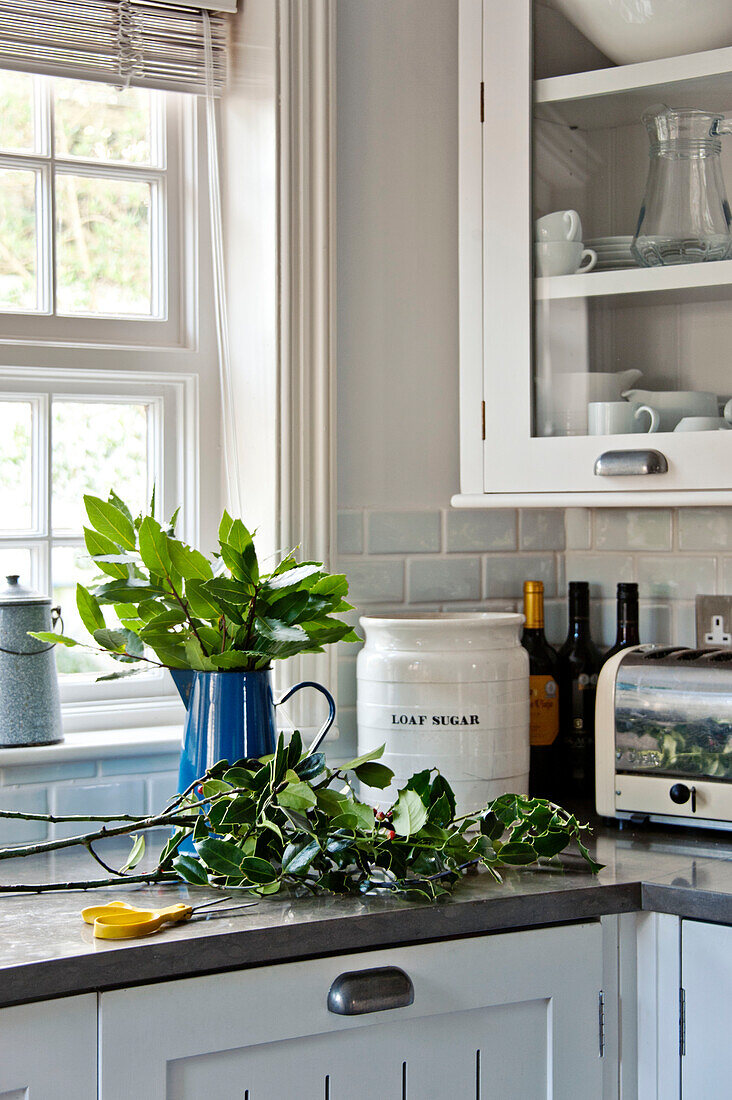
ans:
(605, 230)
(631, 254)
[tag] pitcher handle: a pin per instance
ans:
(331, 710)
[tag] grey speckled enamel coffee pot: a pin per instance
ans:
(30, 711)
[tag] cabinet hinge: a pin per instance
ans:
(682, 1021)
(601, 1022)
(482, 101)
(482, 417)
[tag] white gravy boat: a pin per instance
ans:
(674, 405)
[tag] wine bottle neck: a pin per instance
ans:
(627, 631)
(534, 605)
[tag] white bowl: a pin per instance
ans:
(639, 30)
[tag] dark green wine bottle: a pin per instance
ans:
(578, 665)
(544, 768)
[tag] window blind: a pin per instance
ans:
(142, 43)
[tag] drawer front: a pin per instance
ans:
(268, 1032)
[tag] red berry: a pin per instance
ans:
(391, 834)
(199, 789)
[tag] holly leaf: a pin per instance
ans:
(222, 856)
(409, 814)
(375, 754)
(514, 853)
(297, 796)
(257, 870)
(297, 857)
(374, 775)
(136, 854)
(191, 870)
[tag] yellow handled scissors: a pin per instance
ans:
(119, 921)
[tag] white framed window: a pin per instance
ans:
(108, 363)
(92, 189)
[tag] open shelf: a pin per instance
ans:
(605, 98)
(681, 282)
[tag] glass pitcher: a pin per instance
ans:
(685, 216)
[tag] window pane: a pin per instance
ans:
(99, 122)
(16, 471)
(97, 446)
(15, 560)
(17, 113)
(70, 565)
(18, 243)
(103, 254)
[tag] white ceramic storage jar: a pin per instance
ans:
(447, 690)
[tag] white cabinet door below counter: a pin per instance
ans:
(706, 978)
(48, 1050)
(510, 1015)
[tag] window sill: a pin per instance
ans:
(96, 745)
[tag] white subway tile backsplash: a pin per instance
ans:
(346, 682)
(27, 802)
(705, 529)
(676, 577)
(655, 623)
(374, 581)
(555, 621)
(602, 571)
(350, 532)
(47, 773)
(404, 532)
(504, 575)
(685, 628)
(124, 797)
(481, 531)
(577, 525)
(542, 529)
(135, 765)
(603, 623)
(432, 579)
(160, 788)
(633, 529)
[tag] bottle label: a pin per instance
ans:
(544, 710)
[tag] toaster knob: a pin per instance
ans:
(679, 793)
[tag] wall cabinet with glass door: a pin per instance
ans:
(548, 123)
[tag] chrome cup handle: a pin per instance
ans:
(324, 729)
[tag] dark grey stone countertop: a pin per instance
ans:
(47, 951)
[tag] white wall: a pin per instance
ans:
(397, 253)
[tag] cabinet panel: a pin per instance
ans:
(452, 1054)
(267, 1032)
(706, 975)
(48, 1051)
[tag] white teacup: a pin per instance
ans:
(702, 424)
(620, 418)
(563, 257)
(562, 225)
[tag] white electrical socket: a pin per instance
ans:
(714, 622)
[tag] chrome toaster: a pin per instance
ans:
(663, 736)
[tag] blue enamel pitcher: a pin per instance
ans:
(231, 715)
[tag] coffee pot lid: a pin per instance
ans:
(17, 594)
